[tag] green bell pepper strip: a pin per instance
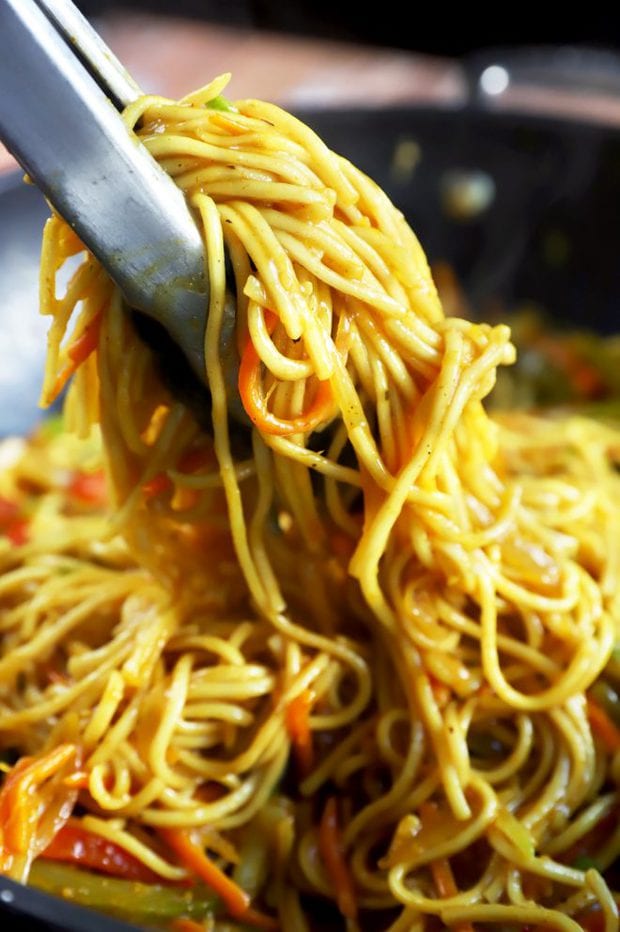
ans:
(220, 103)
(140, 903)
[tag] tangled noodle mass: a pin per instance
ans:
(352, 648)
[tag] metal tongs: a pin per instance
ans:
(61, 90)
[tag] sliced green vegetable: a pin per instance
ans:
(608, 698)
(124, 899)
(585, 863)
(220, 103)
(251, 871)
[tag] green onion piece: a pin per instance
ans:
(220, 103)
(123, 899)
(251, 872)
(585, 863)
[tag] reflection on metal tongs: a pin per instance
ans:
(62, 89)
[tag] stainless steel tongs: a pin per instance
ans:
(60, 92)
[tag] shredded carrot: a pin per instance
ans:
(332, 852)
(78, 352)
(255, 402)
(446, 887)
(87, 342)
(187, 925)
(602, 726)
(236, 900)
(19, 803)
(443, 878)
(298, 727)
(194, 858)
(61, 380)
(441, 870)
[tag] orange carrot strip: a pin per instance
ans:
(78, 352)
(443, 878)
(10, 805)
(255, 403)
(298, 727)
(61, 380)
(236, 900)
(441, 869)
(446, 887)
(18, 799)
(332, 852)
(187, 925)
(192, 857)
(602, 726)
(87, 342)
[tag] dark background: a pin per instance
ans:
(436, 28)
